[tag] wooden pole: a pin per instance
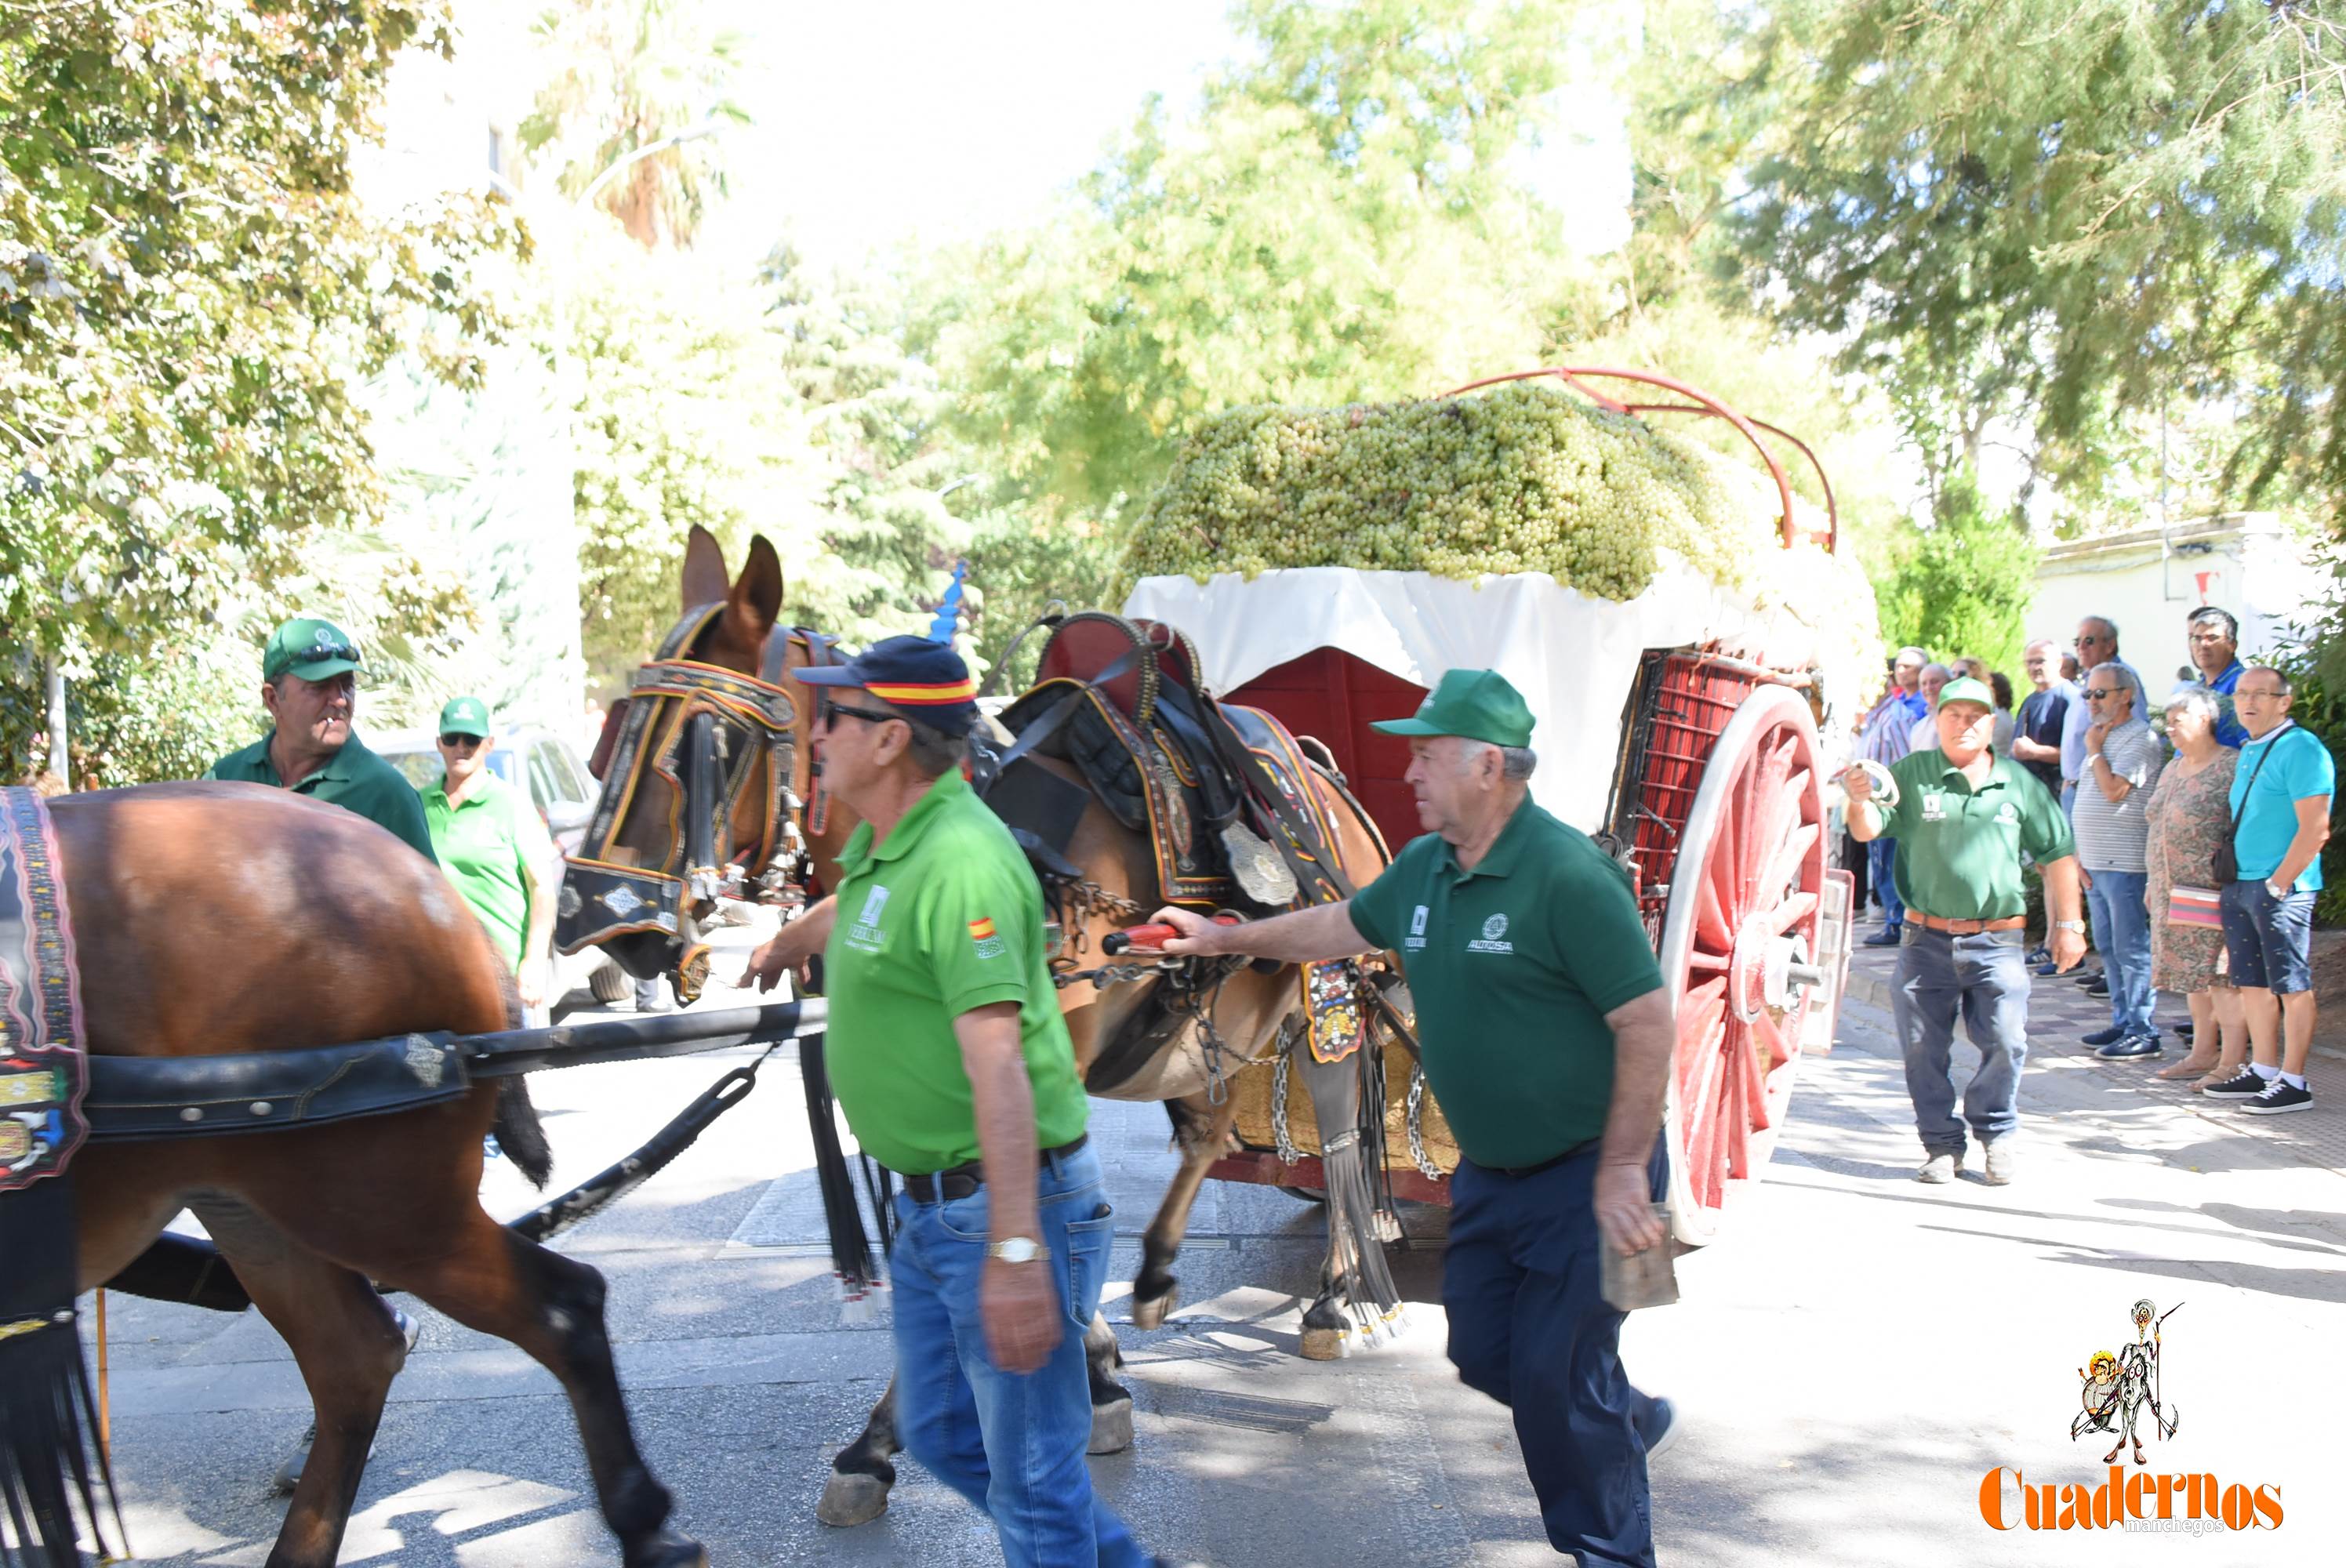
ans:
(105, 1403)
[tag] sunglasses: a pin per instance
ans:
(460, 742)
(869, 716)
(2098, 695)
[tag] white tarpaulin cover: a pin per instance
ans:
(1573, 657)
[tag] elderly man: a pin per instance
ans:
(1924, 735)
(2123, 759)
(2097, 643)
(1885, 739)
(2281, 820)
(1964, 818)
(950, 1057)
(2215, 639)
(2036, 737)
(494, 847)
(310, 685)
(1547, 1038)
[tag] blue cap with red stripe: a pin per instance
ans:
(927, 680)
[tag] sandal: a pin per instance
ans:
(2188, 1069)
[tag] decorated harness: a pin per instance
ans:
(703, 728)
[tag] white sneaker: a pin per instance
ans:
(1940, 1169)
(2003, 1161)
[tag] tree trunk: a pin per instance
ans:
(58, 762)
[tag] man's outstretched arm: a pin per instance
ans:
(1300, 936)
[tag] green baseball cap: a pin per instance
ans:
(1964, 689)
(311, 648)
(1479, 704)
(465, 716)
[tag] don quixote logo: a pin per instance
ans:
(2123, 1393)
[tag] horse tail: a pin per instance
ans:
(518, 1131)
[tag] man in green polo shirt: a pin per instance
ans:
(1963, 817)
(494, 847)
(309, 686)
(949, 1056)
(1548, 1037)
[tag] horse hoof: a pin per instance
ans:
(1111, 1427)
(1323, 1344)
(668, 1550)
(1151, 1312)
(850, 1499)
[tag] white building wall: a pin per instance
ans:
(2251, 564)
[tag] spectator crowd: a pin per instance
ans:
(2197, 822)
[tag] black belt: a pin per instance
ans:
(1519, 1172)
(962, 1181)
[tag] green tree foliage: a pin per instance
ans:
(1962, 586)
(629, 76)
(2060, 214)
(190, 292)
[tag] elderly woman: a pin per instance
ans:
(2190, 815)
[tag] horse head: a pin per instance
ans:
(703, 765)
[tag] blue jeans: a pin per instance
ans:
(1529, 1326)
(2122, 931)
(1881, 855)
(1983, 978)
(1014, 1445)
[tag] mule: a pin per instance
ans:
(224, 918)
(1250, 1011)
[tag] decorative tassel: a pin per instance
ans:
(48, 1416)
(851, 1245)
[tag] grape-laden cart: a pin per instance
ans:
(1689, 724)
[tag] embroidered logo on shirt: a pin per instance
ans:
(1934, 807)
(865, 935)
(981, 932)
(1494, 930)
(1416, 938)
(2008, 814)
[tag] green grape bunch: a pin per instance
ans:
(1525, 478)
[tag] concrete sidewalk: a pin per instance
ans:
(2060, 1014)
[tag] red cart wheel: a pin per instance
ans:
(1746, 899)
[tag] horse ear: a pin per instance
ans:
(704, 576)
(757, 594)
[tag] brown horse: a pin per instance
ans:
(1248, 1009)
(223, 918)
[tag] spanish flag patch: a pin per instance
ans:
(979, 930)
(981, 935)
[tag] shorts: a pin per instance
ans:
(2269, 939)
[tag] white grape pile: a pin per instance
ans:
(1524, 478)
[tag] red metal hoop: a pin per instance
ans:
(1703, 404)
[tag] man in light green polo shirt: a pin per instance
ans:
(309, 686)
(1547, 1038)
(1963, 817)
(492, 846)
(950, 1057)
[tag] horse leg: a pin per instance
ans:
(1203, 1130)
(862, 1471)
(1325, 1322)
(349, 1348)
(551, 1308)
(1111, 1400)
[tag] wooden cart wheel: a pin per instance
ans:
(1737, 939)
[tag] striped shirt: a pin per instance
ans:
(2112, 835)
(1886, 733)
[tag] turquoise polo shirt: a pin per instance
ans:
(2273, 775)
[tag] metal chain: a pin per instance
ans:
(1281, 1142)
(1416, 1122)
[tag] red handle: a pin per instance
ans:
(1149, 938)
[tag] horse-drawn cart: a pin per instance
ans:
(1688, 728)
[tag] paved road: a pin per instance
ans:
(1852, 1360)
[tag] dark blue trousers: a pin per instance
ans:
(1529, 1326)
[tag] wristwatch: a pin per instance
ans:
(2076, 925)
(2278, 892)
(1017, 1249)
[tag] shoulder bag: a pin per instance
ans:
(2227, 862)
